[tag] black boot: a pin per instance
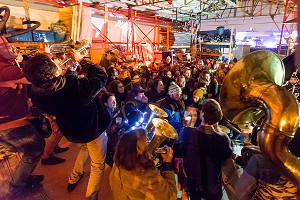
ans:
(52, 160)
(60, 150)
(71, 187)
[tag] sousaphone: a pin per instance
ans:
(253, 88)
(163, 130)
(154, 112)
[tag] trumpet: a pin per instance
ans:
(61, 48)
(64, 47)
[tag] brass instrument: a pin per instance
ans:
(254, 84)
(155, 111)
(163, 130)
(84, 45)
(60, 47)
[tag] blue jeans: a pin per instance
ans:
(24, 139)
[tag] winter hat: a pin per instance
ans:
(173, 88)
(199, 93)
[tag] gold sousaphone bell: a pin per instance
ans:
(157, 112)
(252, 89)
(163, 130)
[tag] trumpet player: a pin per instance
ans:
(78, 112)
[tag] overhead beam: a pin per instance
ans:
(147, 2)
(231, 3)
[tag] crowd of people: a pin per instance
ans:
(103, 109)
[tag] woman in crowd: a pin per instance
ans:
(112, 74)
(156, 92)
(125, 77)
(118, 89)
(167, 79)
(134, 175)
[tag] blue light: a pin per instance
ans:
(141, 120)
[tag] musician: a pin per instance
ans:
(261, 180)
(134, 175)
(79, 113)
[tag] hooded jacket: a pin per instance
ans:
(80, 115)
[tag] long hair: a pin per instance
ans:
(155, 83)
(122, 74)
(132, 152)
(112, 87)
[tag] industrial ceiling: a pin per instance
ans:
(192, 11)
(183, 10)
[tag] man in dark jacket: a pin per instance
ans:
(205, 150)
(80, 115)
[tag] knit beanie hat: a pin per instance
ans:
(199, 93)
(173, 88)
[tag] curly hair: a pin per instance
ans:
(132, 152)
(39, 69)
(212, 112)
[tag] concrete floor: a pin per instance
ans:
(56, 179)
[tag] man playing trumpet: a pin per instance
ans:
(79, 114)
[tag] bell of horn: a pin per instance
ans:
(154, 111)
(254, 84)
(163, 130)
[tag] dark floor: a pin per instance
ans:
(56, 179)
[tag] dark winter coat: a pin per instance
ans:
(80, 115)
